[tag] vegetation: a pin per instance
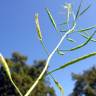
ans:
(21, 71)
(69, 27)
(24, 76)
(85, 84)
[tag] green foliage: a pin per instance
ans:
(24, 76)
(85, 84)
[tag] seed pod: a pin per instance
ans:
(73, 61)
(86, 29)
(38, 27)
(86, 9)
(71, 40)
(4, 63)
(94, 40)
(51, 19)
(58, 85)
(83, 44)
(78, 9)
(60, 52)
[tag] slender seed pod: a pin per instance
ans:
(86, 29)
(60, 52)
(4, 63)
(38, 27)
(51, 19)
(71, 40)
(78, 9)
(94, 40)
(86, 9)
(58, 85)
(83, 44)
(73, 61)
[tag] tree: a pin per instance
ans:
(24, 76)
(85, 84)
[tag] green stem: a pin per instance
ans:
(16, 87)
(48, 60)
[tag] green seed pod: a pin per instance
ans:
(86, 9)
(60, 52)
(83, 44)
(94, 40)
(86, 29)
(3, 62)
(58, 85)
(51, 19)
(73, 61)
(5, 65)
(38, 27)
(70, 39)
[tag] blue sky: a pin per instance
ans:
(18, 33)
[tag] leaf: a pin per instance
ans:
(4, 63)
(70, 39)
(94, 40)
(38, 27)
(86, 29)
(58, 85)
(78, 11)
(60, 52)
(73, 61)
(84, 10)
(83, 44)
(51, 19)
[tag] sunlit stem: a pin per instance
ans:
(48, 61)
(5, 65)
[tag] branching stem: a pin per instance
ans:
(48, 60)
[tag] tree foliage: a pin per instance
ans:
(85, 84)
(24, 76)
